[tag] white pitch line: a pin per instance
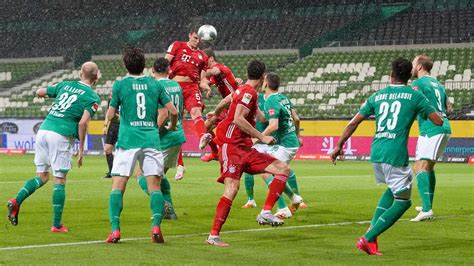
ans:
(224, 232)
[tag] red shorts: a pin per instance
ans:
(236, 160)
(191, 95)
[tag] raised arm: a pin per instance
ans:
(241, 113)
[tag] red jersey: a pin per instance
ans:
(227, 131)
(224, 81)
(187, 61)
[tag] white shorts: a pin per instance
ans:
(431, 148)
(398, 178)
(150, 160)
(170, 156)
(281, 153)
(55, 151)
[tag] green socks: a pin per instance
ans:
(432, 185)
(423, 183)
(388, 218)
(281, 201)
(249, 183)
(165, 188)
(115, 208)
(157, 204)
(30, 186)
(384, 203)
(141, 180)
(292, 182)
(59, 196)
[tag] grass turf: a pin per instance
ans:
(339, 197)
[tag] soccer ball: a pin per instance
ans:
(207, 33)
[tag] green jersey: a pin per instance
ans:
(261, 105)
(395, 108)
(173, 138)
(138, 98)
(436, 94)
(278, 106)
(72, 99)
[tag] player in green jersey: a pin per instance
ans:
(170, 141)
(395, 108)
(74, 104)
(283, 123)
(138, 98)
(433, 139)
(249, 179)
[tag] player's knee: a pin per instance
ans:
(195, 112)
(108, 149)
(283, 168)
(231, 189)
(44, 177)
(403, 194)
(59, 180)
(422, 165)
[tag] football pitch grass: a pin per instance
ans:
(341, 202)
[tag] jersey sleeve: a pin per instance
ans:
(163, 97)
(115, 101)
(53, 90)
(272, 109)
(173, 49)
(423, 105)
(247, 98)
(93, 105)
(368, 107)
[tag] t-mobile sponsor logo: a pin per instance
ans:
(329, 143)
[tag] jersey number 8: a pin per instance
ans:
(141, 108)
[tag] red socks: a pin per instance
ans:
(276, 189)
(213, 145)
(199, 126)
(180, 158)
(222, 211)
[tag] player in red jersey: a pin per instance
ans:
(236, 154)
(188, 65)
(222, 78)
